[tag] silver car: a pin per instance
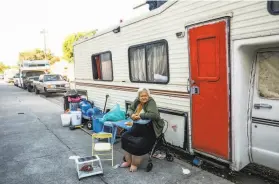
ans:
(51, 83)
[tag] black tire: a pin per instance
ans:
(46, 93)
(36, 90)
(169, 157)
(29, 89)
(89, 125)
(149, 167)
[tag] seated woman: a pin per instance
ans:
(146, 128)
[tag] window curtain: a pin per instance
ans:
(157, 63)
(106, 66)
(137, 64)
(268, 84)
(96, 67)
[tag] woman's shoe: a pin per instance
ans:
(124, 165)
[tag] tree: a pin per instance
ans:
(69, 41)
(37, 54)
(3, 67)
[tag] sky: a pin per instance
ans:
(22, 20)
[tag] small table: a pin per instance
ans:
(121, 123)
(115, 124)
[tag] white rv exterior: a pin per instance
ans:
(251, 32)
(32, 66)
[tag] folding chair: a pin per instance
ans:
(102, 146)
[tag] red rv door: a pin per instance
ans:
(210, 89)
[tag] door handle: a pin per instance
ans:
(195, 90)
(266, 106)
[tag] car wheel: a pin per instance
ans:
(29, 89)
(37, 91)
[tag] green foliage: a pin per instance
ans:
(69, 41)
(3, 67)
(37, 54)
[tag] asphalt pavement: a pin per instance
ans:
(35, 148)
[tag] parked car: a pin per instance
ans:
(51, 83)
(1, 76)
(29, 83)
(16, 79)
(30, 74)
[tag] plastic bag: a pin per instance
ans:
(84, 105)
(115, 114)
(93, 111)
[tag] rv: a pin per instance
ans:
(9, 75)
(31, 69)
(212, 68)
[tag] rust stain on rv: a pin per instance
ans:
(133, 89)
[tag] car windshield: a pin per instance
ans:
(53, 78)
(36, 78)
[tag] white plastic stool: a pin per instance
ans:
(93, 162)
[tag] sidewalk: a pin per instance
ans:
(35, 148)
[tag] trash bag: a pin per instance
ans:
(115, 114)
(84, 105)
(93, 112)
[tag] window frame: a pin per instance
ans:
(145, 45)
(93, 55)
(269, 7)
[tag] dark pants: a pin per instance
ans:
(139, 140)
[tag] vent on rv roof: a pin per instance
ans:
(153, 4)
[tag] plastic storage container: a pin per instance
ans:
(76, 117)
(66, 119)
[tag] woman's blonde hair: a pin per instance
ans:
(140, 90)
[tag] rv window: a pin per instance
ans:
(273, 7)
(102, 66)
(268, 74)
(149, 63)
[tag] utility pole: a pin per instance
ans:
(44, 32)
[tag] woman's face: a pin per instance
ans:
(144, 97)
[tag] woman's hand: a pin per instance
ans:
(135, 117)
